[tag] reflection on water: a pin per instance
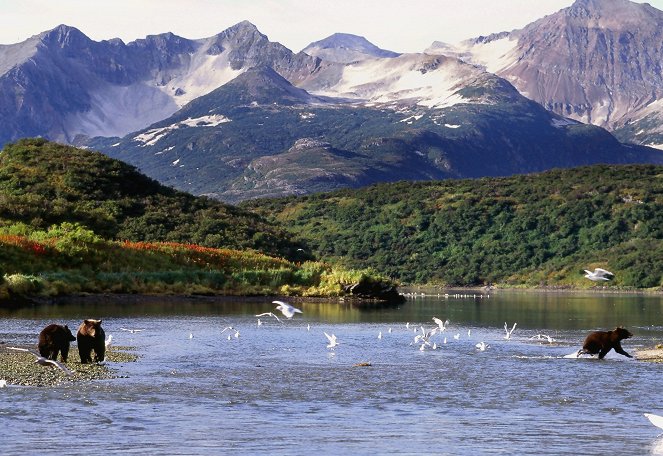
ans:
(277, 389)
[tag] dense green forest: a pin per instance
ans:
(75, 221)
(44, 183)
(528, 230)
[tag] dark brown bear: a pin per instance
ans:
(90, 337)
(55, 339)
(602, 342)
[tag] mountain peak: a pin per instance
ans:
(346, 48)
(64, 35)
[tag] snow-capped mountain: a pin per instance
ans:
(346, 48)
(597, 61)
(61, 84)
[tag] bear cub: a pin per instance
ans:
(602, 342)
(54, 339)
(91, 337)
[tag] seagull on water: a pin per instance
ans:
(108, 340)
(656, 420)
(44, 361)
(380, 335)
(332, 341)
(442, 324)
(268, 314)
(543, 336)
(3, 383)
(457, 336)
(506, 330)
(132, 330)
(482, 346)
(599, 275)
(286, 309)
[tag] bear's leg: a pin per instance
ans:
(604, 351)
(620, 350)
(64, 354)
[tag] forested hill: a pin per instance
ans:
(538, 229)
(44, 184)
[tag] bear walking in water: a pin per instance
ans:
(90, 337)
(54, 339)
(602, 342)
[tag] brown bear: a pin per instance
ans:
(90, 337)
(53, 339)
(602, 342)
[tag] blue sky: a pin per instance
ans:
(399, 25)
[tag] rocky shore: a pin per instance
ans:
(653, 355)
(19, 368)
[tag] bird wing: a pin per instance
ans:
(602, 272)
(281, 303)
(656, 420)
(32, 352)
(331, 338)
(60, 366)
(227, 328)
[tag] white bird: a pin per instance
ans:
(425, 336)
(259, 322)
(308, 327)
(108, 340)
(132, 330)
(380, 335)
(506, 329)
(469, 332)
(286, 309)
(227, 328)
(190, 335)
(482, 346)
(656, 420)
(44, 361)
(407, 325)
(332, 340)
(389, 331)
(269, 314)
(442, 324)
(445, 340)
(599, 274)
(3, 383)
(543, 336)
(457, 336)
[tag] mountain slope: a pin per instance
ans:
(539, 229)
(597, 61)
(61, 84)
(346, 48)
(42, 184)
(258, 135)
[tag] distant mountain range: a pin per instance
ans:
(236, 116)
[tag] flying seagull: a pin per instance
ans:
(598, 275)
(44, 361)
(482, 346)
(543, 336)
(506, 329)
(132, 330)
(332, 341)
(656, 420)
(286, 309)
(440, 323)
(269, 314)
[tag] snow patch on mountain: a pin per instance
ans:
(430, 81)
(151, 137)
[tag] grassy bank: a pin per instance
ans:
(69, 259)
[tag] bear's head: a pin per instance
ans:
(71, 336)
(92, 326)
(622, 333)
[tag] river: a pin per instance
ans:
(278, 389)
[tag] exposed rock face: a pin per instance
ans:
(597, 61)
(346, 48)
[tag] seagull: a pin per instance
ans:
(457, 336)
(440, 323)
(132, 330)
(389, 331)
(3, 383)
(599, 274)
(482, 346)
(656, 420)
(268, 314)
(380, 335)
(506, 329)
(543, 336)
(469, 332)
(308, 327)
(190, 335)
(407, 325)
(108, 340)
(425, 336)
(259, 322)
(43, 361)
(332, 341)
(227, 328)
(286, 309)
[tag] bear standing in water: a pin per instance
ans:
(90, 337)
(53, 339)
(602, 342)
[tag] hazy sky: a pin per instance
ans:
(398, 25)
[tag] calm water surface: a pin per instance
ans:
(277, 389)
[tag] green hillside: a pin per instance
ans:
(44, 184)
(534, 230)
